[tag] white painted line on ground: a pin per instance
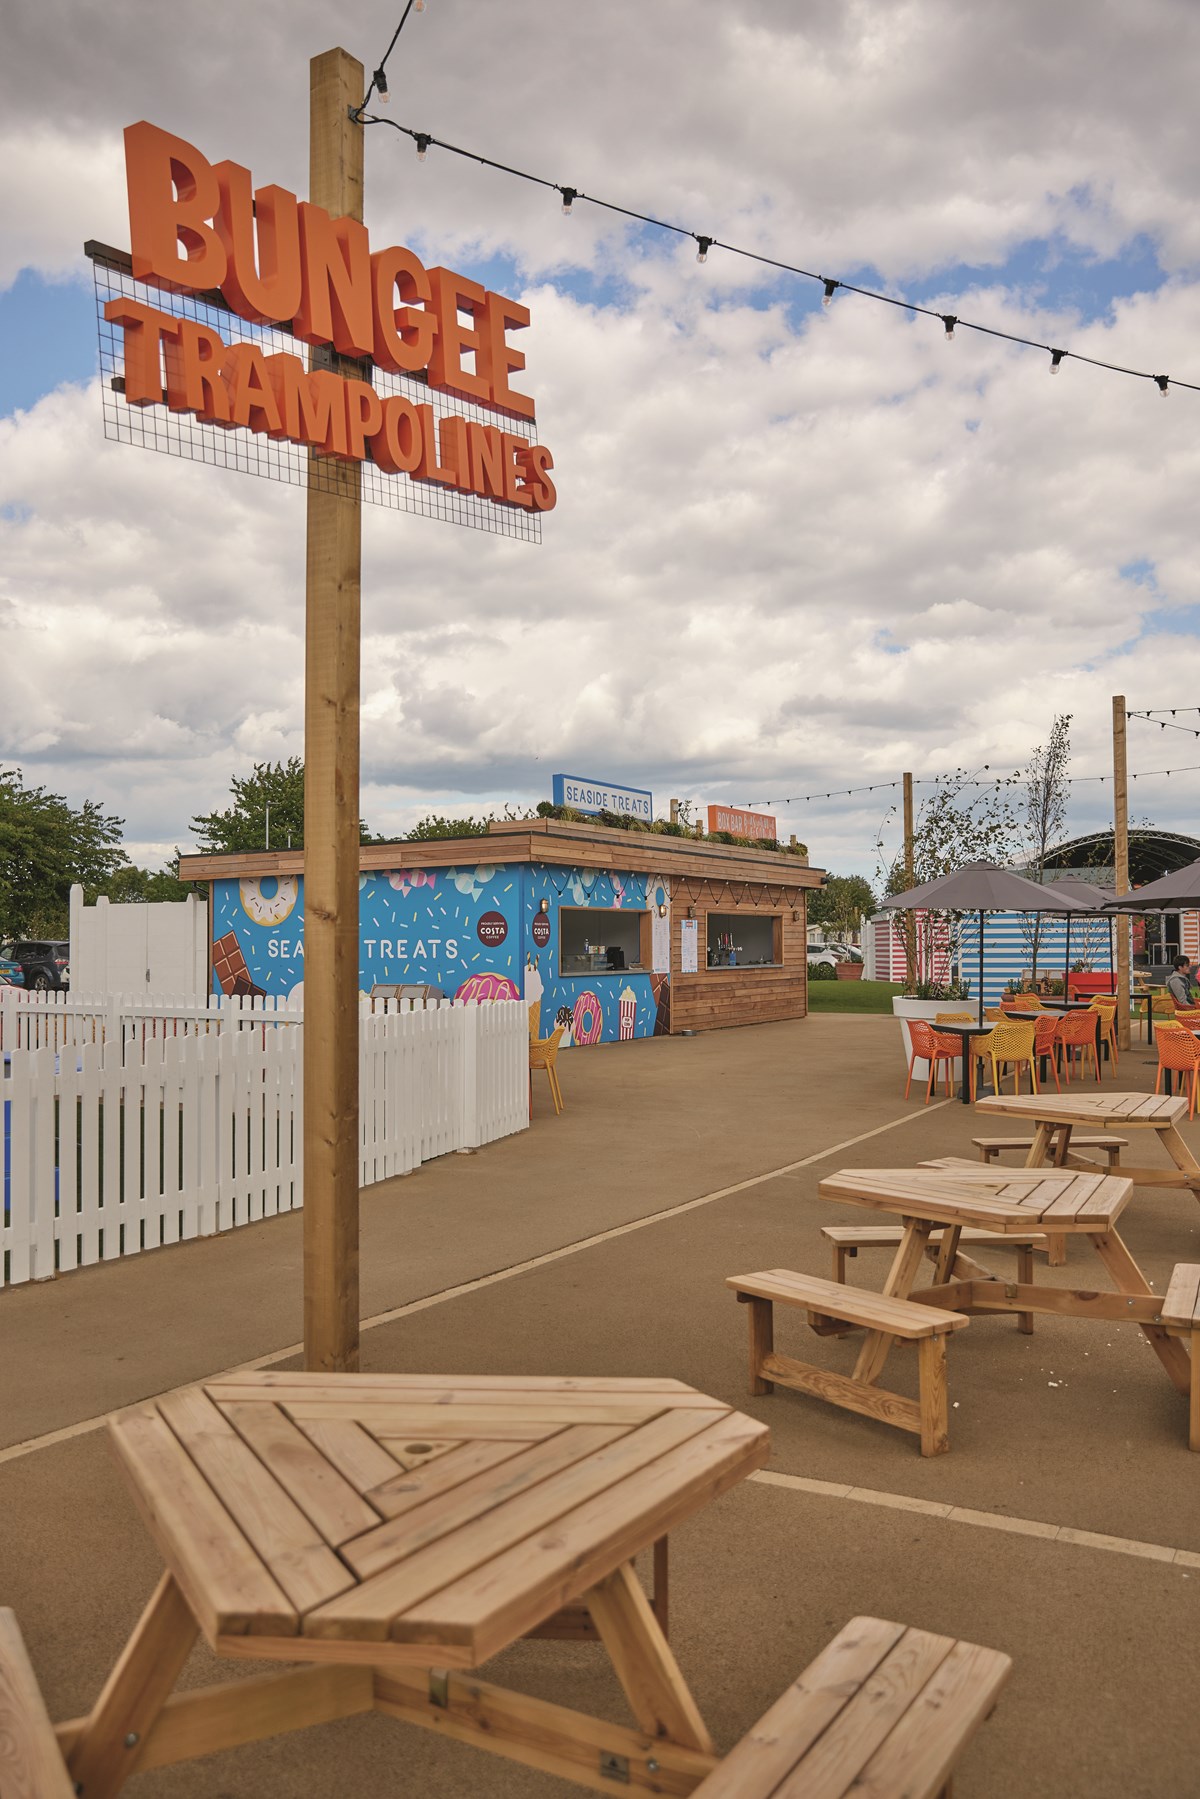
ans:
(31, 1444)
(961, 1514)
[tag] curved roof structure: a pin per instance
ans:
(1152, 853)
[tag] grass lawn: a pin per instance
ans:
(851, 996)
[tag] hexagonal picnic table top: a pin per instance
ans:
(430, 1517)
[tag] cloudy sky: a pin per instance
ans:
(795, 548)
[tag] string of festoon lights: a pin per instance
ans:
(951, 322)
(838, 793)
(1158, 716)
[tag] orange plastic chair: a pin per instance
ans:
(1012, 1045)
(1047, 1041)
(928, 1047)
(1078, 1032)
(1020, 1002)
(1179, 1052)
(543, 1053)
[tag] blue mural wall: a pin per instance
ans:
(473, 932)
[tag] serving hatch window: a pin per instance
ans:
(595, 941)
(744, 940)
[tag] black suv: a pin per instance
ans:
(45, 964)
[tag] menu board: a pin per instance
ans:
(660, 942)
(689, 945)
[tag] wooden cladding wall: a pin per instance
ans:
(711, 999)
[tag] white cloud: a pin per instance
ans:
(786, 554)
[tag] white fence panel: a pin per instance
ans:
(128, 1125)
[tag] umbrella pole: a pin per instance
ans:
(1067, 962)
(980, 1005)
(1112, 967)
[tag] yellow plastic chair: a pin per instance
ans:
(543, 1053)
(1107, 1009)
(955, 1018)
(535, 1019)
(1011, 1045)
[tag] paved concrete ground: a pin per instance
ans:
(1074, 1429)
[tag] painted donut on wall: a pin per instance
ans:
(485, 987)
(588, 1019)
(270, 900)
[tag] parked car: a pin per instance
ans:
(845, 952)
(818, 952)
(44, 964)
(11, 973)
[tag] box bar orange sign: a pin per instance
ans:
(739, 823)
(197, 227)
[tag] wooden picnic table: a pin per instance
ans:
(1055, 1116)
(1057, 1202)
(389, 1529)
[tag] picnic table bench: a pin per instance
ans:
(830, 1726)
(952, 1195)
(992, 1148)
(1181, 1316)
(848, 1239)
(395, 1530)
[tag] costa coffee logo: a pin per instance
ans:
(539, 930)
(492, 928)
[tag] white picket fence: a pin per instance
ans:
(61, 1020)
(132, 1138)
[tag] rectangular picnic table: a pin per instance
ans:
(1058, 1202)
(389, 1529)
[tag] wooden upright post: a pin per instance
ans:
(910, 880)
(331, 805)
(1121, 863)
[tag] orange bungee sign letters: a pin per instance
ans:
(197, 226)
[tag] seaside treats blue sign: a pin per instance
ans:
(585, 795)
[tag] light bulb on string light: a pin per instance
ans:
(831, 288)
(1162, 382)
(381, 86)
(949, 320)
(1056, 357)
(569, 195)
(705, 245)
(422, 142)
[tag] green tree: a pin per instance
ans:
(960, 822)
(274, 788)
(131, 885)
(1045, 817)
(842, 903)
(46, 845)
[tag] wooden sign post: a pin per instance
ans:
(1121, 863)
(331, 802)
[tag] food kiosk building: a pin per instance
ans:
(619, 934)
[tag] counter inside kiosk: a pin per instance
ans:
(744, 940)
(594, 941)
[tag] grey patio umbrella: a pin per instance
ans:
(983, 887)
(1170, 893)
